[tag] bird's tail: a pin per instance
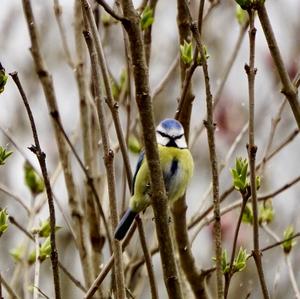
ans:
(124, 224)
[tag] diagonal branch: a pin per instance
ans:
(289, 89)
(110, 11)
(41, 156)
(49, 91)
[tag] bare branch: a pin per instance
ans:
(210, 127)
(36, 149)
(94, 45)
(110, 11)
(48, 88)
(58, 13)
(9, 290)
(252, 149)
(289, 89)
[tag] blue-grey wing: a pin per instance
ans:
(138, 165)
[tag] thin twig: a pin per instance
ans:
(280, 190)
(9, 290)
(287, 258)
(252, 149)
(58, 13)
(112, 104)
(210, 127)
(49, 91)
(289, 89)
(280, 242)
(18, 199)
(165, 79)
(93, 42)
(41, 292)
(90, 181)
(110, 11)
(36, 149)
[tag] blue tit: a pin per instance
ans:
(177, 167)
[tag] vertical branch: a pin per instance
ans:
(108, 153)
(210, 127)
(289, 89)
(36, 149)
(143, 99)
(183, 114)
(93, 257)
(252, 148)
(147, 255)
(148, 33)
(58, 13)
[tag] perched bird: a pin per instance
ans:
(177, 167)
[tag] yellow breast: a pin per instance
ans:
(177, 167)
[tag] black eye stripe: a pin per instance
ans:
(163, 134)
(168, 136)
(178, 137)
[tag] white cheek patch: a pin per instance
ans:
(181, 143)
(161, 140)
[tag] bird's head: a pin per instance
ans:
(170, 133)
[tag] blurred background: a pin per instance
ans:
(221, 32)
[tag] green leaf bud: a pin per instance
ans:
(32, 180)
(186, 52)
(147, 18)
(3, 221)
(134, 145)
(288, 244)
(4, 154)
(3, 78)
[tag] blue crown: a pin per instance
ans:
(170, 123)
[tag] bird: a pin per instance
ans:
(177, 167)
